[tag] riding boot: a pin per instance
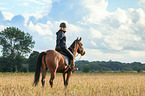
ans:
(72, 65)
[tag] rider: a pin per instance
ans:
(61, 45)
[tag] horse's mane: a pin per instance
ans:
(72, 46)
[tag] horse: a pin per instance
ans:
(54, 62)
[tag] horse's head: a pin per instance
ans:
(80, 49)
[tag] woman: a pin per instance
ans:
(61, 45)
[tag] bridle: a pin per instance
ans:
(80, 46)
(78, 52)
(79, 57)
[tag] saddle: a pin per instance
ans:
(66, 58)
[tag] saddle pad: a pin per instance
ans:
(66, 59)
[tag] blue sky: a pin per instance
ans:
(123, 4)
(110, 29)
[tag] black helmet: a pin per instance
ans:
(63, 25)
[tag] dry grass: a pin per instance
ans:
(81, 84)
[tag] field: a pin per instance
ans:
(81, 84)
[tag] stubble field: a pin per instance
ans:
(80, 84)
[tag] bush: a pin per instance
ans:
(139, 70)
(86, 69)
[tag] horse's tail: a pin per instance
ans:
(38, 66)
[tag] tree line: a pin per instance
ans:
(29, 64)
(16, 45)
(19, 63)
(109, 66)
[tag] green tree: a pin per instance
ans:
(32, 61)
(139, 70)
(86, 69)
(15, 44)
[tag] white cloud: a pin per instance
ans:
(97, 10)
(93, 43)
(2, 27)
(40, 9)
(47, 7)
(122, 37)
(73, 30)
(141, 15)
(142, 3)
(2, 3)
(25, 3)
(123, 56)
(8, 15)
(120, 15)
(119, 30)
(34, 1)
(42, 29)
(95, 33)
(96, 54)
(43, 11)
(3, 8)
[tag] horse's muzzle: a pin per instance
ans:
(83, 53)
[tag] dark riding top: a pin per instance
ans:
(61, 39)
(61, 44)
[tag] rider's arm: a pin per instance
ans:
(60, 35)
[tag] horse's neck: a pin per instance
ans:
(73, 48)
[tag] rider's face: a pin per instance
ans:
(64, 29)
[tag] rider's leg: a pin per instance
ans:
(71, 57)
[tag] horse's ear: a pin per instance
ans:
(80, 38)
(77, 38)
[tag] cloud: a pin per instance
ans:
(142, 3)
(42, 29)
(43, 11)
(35, 1)
(93, 43)
(115, 19)
(2, 3)
(97, 10)
(95, 33)
(73, 31)
(25, 3)
(118, 31)
(8, 19)
(3, 8)
(96, 54)
(123, 56)
(7, 15)
(1, 27)
(1, 16)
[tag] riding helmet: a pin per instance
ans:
(63, 25)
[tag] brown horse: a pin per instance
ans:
(54, 61)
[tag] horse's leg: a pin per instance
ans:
(52, 78)
(64, 78)
(68, 77)
(43, 76)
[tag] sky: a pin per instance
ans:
(110, 29)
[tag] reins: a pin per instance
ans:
(74, 51)
(79, 58)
